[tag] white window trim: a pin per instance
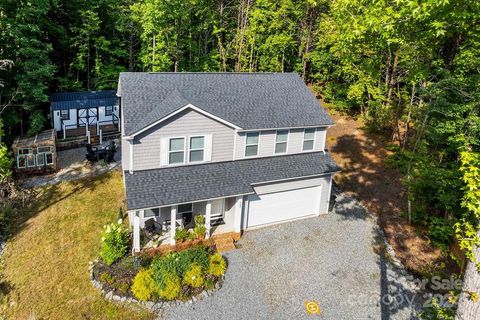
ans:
(185, 141)
(314, 136)
(18, 162)
(287, 142)
(68, 114)
(190, 149)
(111, 112)
(46, 161)
(34, 160)
(257, 144)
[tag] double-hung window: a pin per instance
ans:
(308, 139)
(176, 151)
(65, 114)
(281, 141)
(108, 111)
(151, 212)
(197, 149)
(251, 144)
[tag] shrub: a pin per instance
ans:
(181, 234)
(441, 232)
(200, 231)
(170, 286)
(194, 276)
(199, 220)
(115, 242)
(107, 278)
(179, 262)
(209, 284)
(217, 265)
(122, 286)
(144, 286)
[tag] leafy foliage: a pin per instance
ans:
(115, 241)
(144, 286)
(194, 276)
(217, 265)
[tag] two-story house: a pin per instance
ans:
(244, 149)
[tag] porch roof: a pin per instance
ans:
(167, 186)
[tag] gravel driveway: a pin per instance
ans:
(337, 260)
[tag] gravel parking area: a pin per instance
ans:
(337, 260)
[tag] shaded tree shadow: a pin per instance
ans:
(366, 176)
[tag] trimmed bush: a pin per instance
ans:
(179, 262)
(171, 286)
(114, 242)
(144, 286)
(194, 276)
(217, 266)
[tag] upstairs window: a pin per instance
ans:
(108, 111)
(197, 149)
(281, 141)
(251, 144)
(65, 114)
(308, 139)
(176, 151)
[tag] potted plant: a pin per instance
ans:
(181, 235)
(200, 231)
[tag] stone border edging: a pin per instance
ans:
(150, 305)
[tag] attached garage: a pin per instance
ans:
(274, 203)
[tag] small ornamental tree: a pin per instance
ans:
(114, 242)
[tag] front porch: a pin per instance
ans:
(156, 227)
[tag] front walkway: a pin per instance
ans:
(331, 259)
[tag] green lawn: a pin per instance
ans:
(46, 261)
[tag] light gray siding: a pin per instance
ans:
(147, 145)
(267, 139)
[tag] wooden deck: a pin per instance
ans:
(77, 132)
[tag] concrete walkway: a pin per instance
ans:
(337, 260)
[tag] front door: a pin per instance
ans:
(87, 116)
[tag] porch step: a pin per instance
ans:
(94, 140)
(224, 243)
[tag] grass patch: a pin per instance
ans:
(46, 261)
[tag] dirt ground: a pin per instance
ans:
(366, 176)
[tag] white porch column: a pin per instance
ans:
(173, 220)
(237, 222)
(64, 131)
(101, 137)
(136, 233)
(208, 213)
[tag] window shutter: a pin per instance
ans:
(208, 147)
(164, 151)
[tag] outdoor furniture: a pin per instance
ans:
(150, 225)
(105, 152)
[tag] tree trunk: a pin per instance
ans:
(392, 78)
(469, 309)
(242, 23)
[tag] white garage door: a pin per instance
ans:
(284, 205)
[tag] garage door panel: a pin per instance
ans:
(285, 205)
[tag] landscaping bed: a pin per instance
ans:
(153, 280)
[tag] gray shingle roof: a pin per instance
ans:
(159, 187)
(248, 100)
(84, 99)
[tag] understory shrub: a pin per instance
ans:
(114, 242)
(107, 278)
(441, 232)
(170, 286)
(144, 286)
(194, 276)
(181, 234)
(178, 262)
(217, 265)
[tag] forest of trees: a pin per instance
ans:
(410, 68)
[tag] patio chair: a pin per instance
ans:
(150, 225)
